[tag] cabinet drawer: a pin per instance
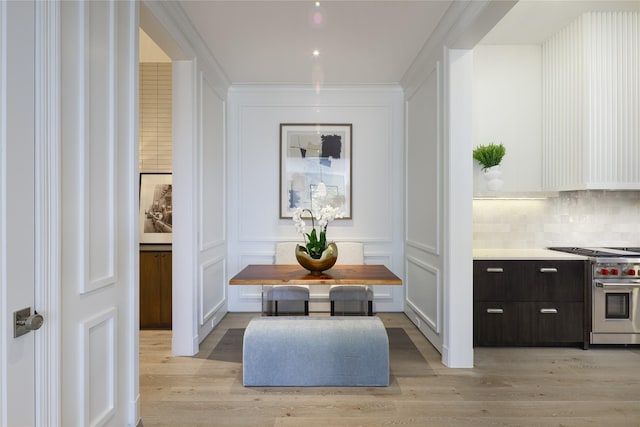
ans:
(558, 280)
(556, 322)
(497, 280)
(529, 280)
(495, 323)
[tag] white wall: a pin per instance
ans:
(254, 118)
(438, 255)
(199, 89)
(507, 109)
(424, 206)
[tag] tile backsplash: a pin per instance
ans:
(575, 218)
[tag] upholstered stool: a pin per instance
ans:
(288, 293)
(346, 293)
(315, 351)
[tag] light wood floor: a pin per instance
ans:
(507, 387)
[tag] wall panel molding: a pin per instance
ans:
(99, 387)
(423, 164)
(420, 297)
(96, 142)
(211, 164)
(212, 297)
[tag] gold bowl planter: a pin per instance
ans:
(317, 266)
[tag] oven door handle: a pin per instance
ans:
(630, 284)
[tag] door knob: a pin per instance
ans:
(24, 322)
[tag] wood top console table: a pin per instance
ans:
(281, 274)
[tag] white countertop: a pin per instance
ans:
(524, 254)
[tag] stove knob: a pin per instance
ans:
(631, 272)
(604, 271)
(614, 271)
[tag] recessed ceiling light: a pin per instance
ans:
(316, 52)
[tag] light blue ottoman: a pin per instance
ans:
(315, 351)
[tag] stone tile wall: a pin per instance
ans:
(576, 218)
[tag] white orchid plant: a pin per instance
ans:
(315, 244)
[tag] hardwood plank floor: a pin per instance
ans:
(507, 387)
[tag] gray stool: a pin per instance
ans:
(288, 293)
(345, 293)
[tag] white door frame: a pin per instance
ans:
(47, 284)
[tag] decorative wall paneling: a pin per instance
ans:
(425, 297)
(255, 114)
(211, 296)
(591, 104)
(212, 167)
(461, 27)
(211, 222)
(424, 208)
(199, 170)
(424, 159)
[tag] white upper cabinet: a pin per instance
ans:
(591, 104)
(507, 109)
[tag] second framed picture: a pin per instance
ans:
(156, 208)
(315, 167)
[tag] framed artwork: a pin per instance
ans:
(156, 208)
(315, 167)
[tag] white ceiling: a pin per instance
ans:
(535, 21)
(360, 42)
(363, 42)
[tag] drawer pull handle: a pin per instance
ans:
(548, 311)
(495, 270)
(548, 270)
(495, 310)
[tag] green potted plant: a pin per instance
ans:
(489, 155)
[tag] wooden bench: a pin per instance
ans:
(315, 351)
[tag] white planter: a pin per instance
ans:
(492, 175)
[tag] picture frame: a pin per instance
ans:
(156, 208)
(315, 167)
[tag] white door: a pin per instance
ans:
(17, 195)
(99, 181)
(69, 97)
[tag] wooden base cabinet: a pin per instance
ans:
(155, 290)
(529, 303)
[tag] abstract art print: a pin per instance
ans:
(156, 208)
(315, 167)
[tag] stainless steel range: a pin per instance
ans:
(615, 293)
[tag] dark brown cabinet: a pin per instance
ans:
(529, 302)
(155, 290)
